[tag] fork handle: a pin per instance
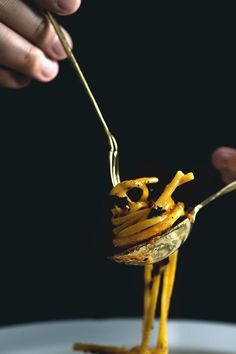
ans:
(113, 154)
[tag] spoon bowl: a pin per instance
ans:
(162, 246)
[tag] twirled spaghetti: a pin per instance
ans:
(137, 221)
(140, 220)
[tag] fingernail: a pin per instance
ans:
(49, 69)
(66, 5)
(57, 48)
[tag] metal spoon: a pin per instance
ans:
(160, 247)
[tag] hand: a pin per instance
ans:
(224, 160)
(29, 47)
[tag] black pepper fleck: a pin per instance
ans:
(155, 211)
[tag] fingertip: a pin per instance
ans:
(224, 160)
(57, 50)
(67, 7)
(222, 155)
(49, 70)
(68, 38)
(227, 178)
(215, 157)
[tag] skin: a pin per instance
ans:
(224, 160)
(29, 47)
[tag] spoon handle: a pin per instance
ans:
(227, 189)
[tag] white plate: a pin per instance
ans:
(185, 337)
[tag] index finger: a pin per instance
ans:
(60, 7)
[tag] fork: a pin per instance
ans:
(113, 152)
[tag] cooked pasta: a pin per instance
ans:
(136, 221)
(139, 221)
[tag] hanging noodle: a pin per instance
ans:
(137, 221)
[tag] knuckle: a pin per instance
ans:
(43, 35)
(42, 30)
(39, 27)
